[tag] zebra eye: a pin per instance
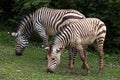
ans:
(52, 58)
(58, 51)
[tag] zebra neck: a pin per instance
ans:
(26, 26)
(25, 34)
(59, 44)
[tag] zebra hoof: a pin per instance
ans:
(88, 74)
(18, 54)
(83, 66)
(99, 74)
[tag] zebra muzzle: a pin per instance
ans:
(49, 71)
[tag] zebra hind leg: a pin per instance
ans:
(101, 62)
(83, 58)
(99, 47)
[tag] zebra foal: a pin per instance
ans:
(78, 34)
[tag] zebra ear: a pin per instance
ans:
(14, 34)
(47, 48)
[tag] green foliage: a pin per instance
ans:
(63, 4)
(112, 58)
(24, 7)
(5, 39)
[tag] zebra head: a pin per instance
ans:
(53, 57)
(21, 43)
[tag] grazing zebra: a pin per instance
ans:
(78, 34)
(44, 21)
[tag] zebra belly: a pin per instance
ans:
(88, 41)
(85, 41)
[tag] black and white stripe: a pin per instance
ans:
(44, 21)
(79, 34)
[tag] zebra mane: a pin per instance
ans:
(61, 30)
(26, 25)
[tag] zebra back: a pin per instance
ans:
(84, 31)
(51, 19)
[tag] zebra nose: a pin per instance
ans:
(18, 53)
(49, 71)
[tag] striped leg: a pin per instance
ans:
(72, 56)
(42, 33)
(99, 46)
(45, 38)
(85, 52)
(45, 41)
(101, 63)
(83, 58)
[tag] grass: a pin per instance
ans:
(32, 65)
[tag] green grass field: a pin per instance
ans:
(32, 65)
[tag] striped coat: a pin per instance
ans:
(44, 21)
(78, 34)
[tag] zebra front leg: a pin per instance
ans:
(83, 58)
(46, 45)
(42, 33)
(72, 55)
(70, 65)
(85, 54)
